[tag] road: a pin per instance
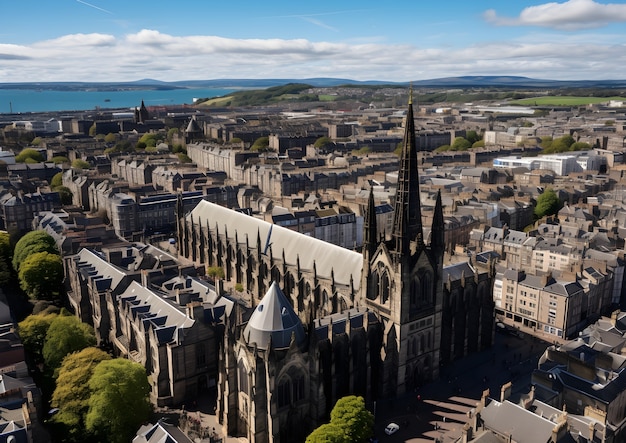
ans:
(441, 410)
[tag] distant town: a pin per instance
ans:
(450, 268)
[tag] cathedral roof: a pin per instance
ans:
(273, 318)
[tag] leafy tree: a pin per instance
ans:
(328, 433)
(443, 148)
(29, 153)
(323, 142)
(110, 138)
(80, 164)
(171, 133)
(41, 276)
(58, 159)
(32, 331)
(472, 136)
(100, 137)
(6, 251)
(30, 243)
(140, 146)
(57, 180)
(351, 415)
(65, 194)
(362, 151)
(548, 203)
(119, 400)
(178, 148)
(238, 287)
(36, 141)
(460, 144)
(580, 146)
(66, 335)
(72, 393)
(183, 158)
(92, 130)
(261, 144)
(215, 272)
(478, 144)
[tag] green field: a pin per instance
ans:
(563, 100)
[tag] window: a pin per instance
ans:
(242, 375)
(200, 355)
(283, 397)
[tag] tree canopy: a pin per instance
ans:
(41, 276)
(66, 334)
(323, 142)
(72, 393)
(29, 153)
(32, 331)
(261, 144)
(80, 164)
(119, 401)
(350, 421)
(548, 203)
(30, 243)
(57, 180)
(6, 253)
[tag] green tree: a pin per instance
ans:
(66, 335)
(171, 133)
(29, 153)
(215, 272)
(36, 141)
(351, 415)
(580, 146)
(472, 136)
(41, 276)
(92, 130)
(261, 144)
(119, 400)
(183, 158)
(59, 159)
(460, 144)
(6, 253)
(323, 142)
(328, 433)
(30, 243)
(57, 180)
(80, 164)
(548, 203)
(110, 138)
(72, 393)
(32, 331)
(65, 194)
(478, 144)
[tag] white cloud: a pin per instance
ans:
(150, 53)
(569, 16)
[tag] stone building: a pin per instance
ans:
(317, 322)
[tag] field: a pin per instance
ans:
(563, 100)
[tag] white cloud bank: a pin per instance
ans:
(571, 15)
(152, 54)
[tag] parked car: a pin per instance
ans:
(391, 428)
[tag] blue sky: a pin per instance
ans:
(113, 40)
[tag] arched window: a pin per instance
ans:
(426, 288)
(297, 388)
(414, 293)
(372, 291)
(242, 375)
(384, 287)
(283, 392)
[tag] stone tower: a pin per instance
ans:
(402, 281)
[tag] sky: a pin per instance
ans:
(114, 40)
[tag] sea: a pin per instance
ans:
(17, 101)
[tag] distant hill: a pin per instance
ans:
(321, 82)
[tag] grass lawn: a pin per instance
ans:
(563, 100)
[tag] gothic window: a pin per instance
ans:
(200, 355)
(242, 375)
(414, 293)
(324, 298)
(372, 291)
(307, 290)
(298, 388)
(275, 275)
(283, 397)
(426, 288)
(384, 287)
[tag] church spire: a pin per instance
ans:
(370, 242)
(407, 217)
(437, 240)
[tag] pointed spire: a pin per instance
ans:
(437, 240)
(407, 218)
(370, 235)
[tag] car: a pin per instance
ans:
(391, 428)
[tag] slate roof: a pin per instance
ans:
(273, 319)
(160, 433)
(508, 418)
(327, 257)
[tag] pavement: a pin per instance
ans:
(441, 409)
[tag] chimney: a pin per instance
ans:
(505, 392)
(195, 310)
(466, 433)
(592, 430)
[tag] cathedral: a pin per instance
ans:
(316, 322)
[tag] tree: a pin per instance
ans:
(580, 146)
(65, 194)
(350, 422)
(57, 180)
(548, 203)
(110, 138)
(5, 258)
(32, 331)
(183, 158)
(41, 276)
(30, 243)
(58, 159)
(472, 136)
(328, 433)
(80, 164)
(72, 393)
(460, 144)
(171, 133)
(66, 334)
(92, 130)
(323, 142)
(29, 153)
(351, 415)
(261, 144)
(215, 272)
(119, 400)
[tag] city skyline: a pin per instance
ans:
(96, 40)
